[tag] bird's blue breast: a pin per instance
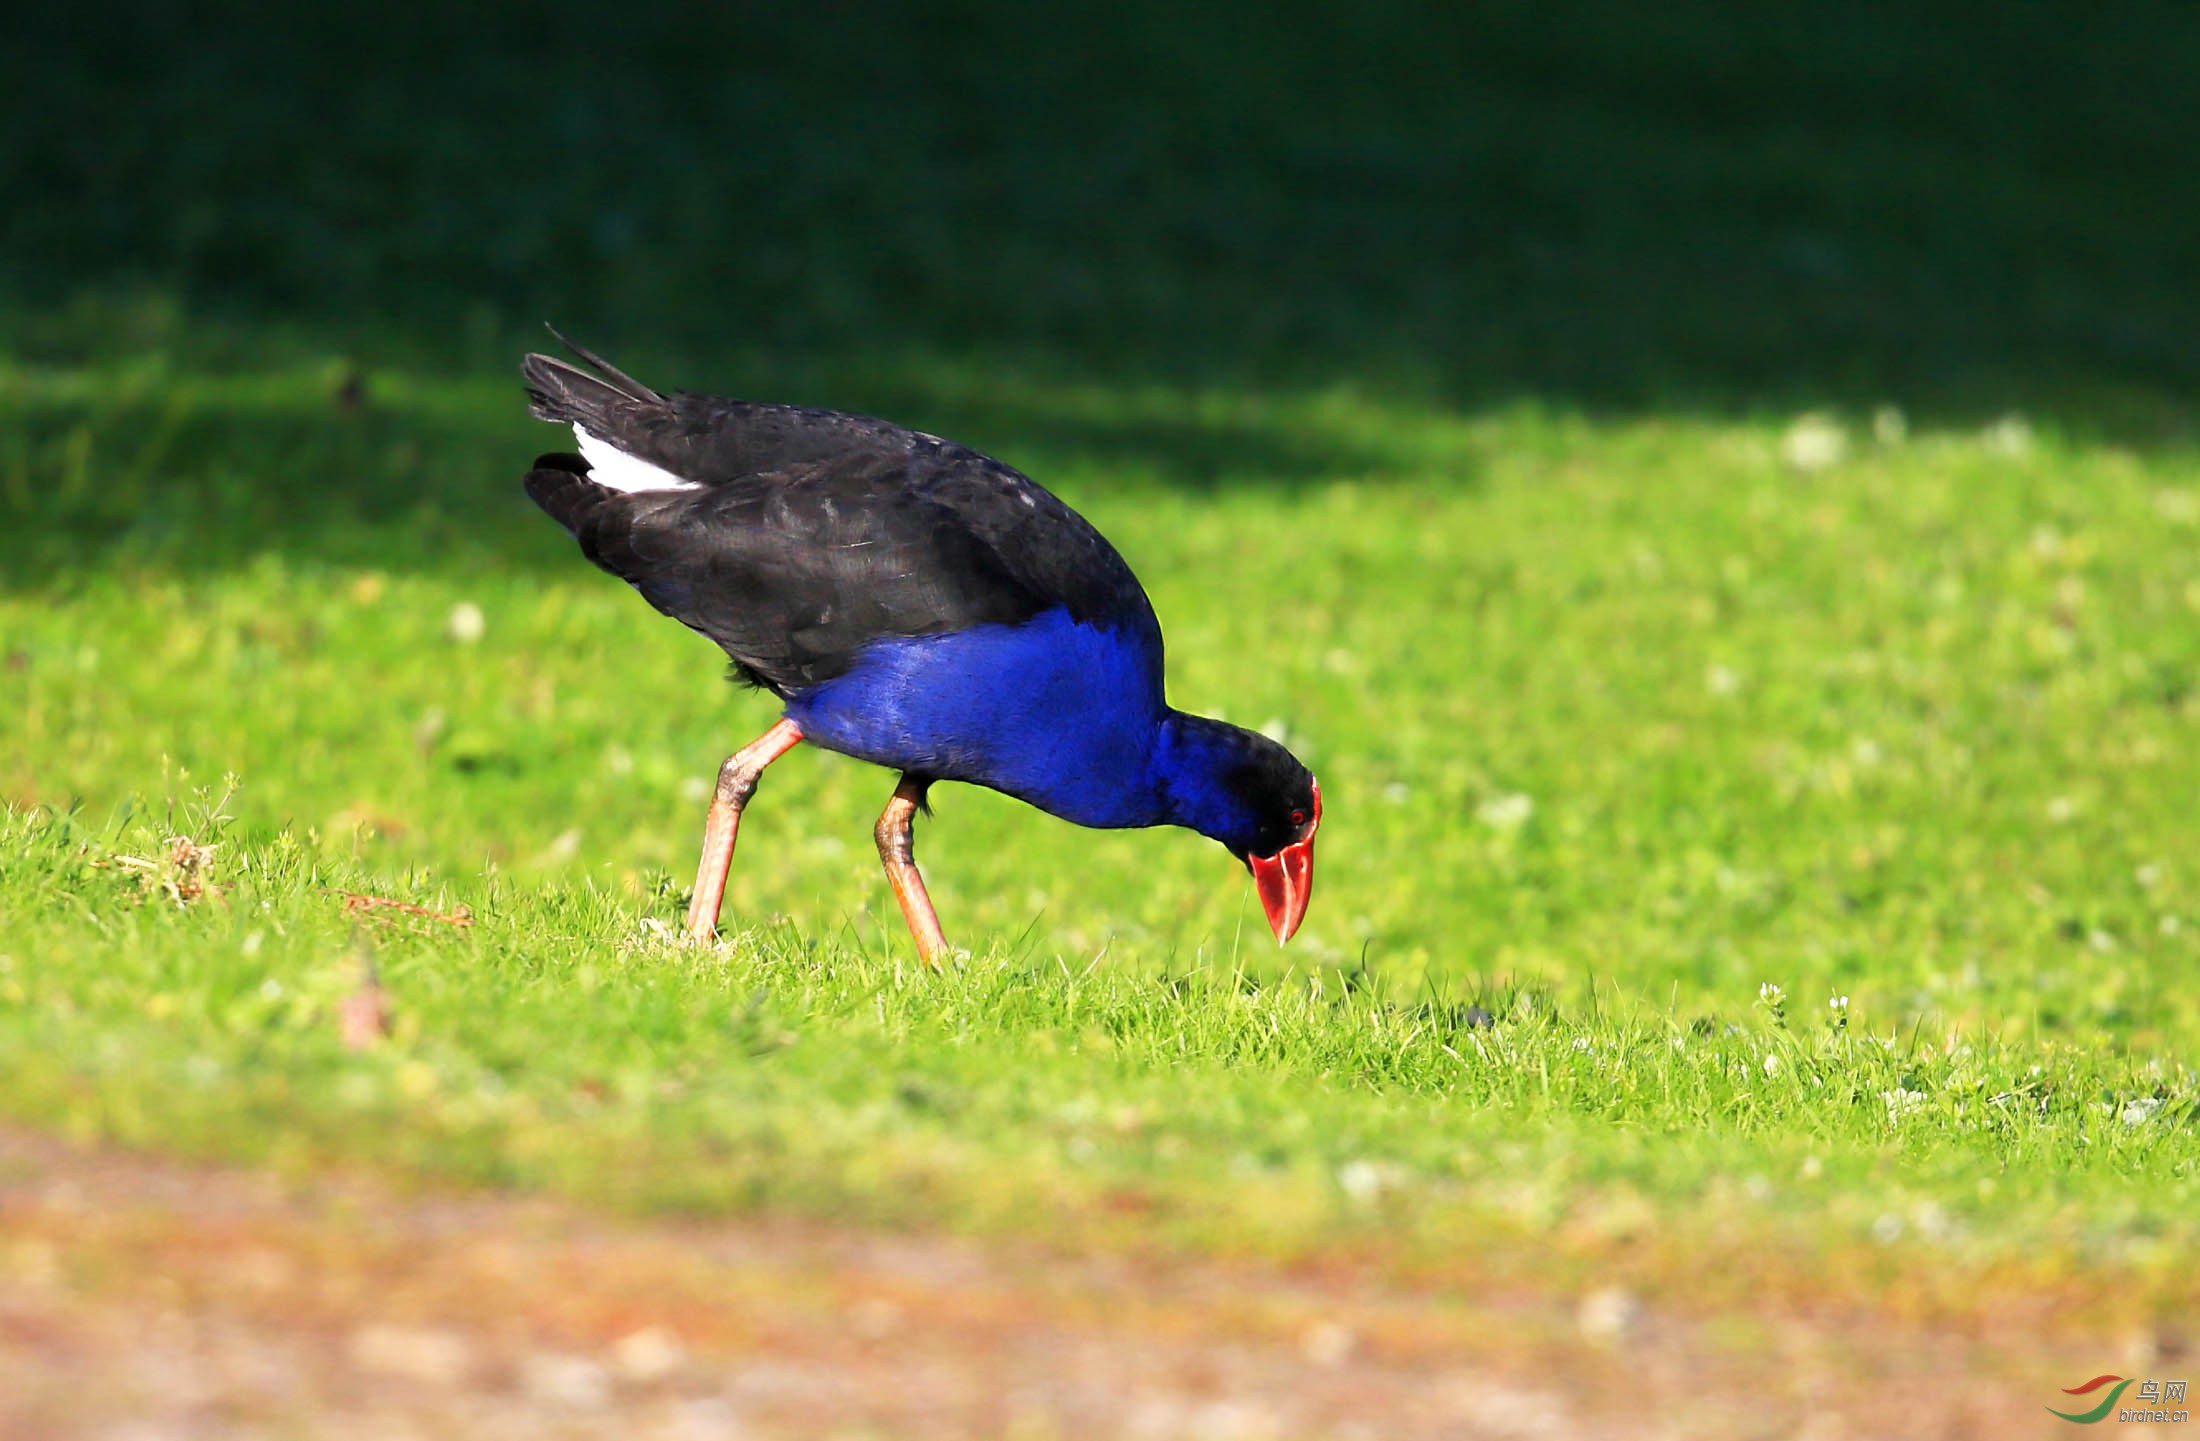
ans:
(1052, 711)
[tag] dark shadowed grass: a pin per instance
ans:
(1957, 207)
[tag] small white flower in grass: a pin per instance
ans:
(1901, 1101)
(1770, 994)
(2011, 436)
(1814, 443)
(1932, 1221)
(1721, 680)
(466, 623)
(1365, 1181)
(1506, 812)
(2061, 809)
(1772, 1063)
(2148, 875)
(2140, 1111)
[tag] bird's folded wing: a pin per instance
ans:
(792, 573)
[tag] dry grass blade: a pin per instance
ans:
(181, 873)
(383, 908)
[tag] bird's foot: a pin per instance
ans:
(699, 927)
(940, 957)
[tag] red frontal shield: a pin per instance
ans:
(1285, 880)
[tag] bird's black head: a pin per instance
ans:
(1248, 792)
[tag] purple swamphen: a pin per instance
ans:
(914, 604)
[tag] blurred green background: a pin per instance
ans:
(1954, 207)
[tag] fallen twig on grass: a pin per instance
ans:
(358, 904)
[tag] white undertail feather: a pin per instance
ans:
(609, 465)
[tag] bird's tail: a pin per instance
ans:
(560, 391)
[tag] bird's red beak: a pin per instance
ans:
(1285, 880)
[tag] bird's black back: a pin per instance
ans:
(809, 533)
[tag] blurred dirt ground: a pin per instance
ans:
(143, 1299)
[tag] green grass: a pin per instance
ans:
(1624, 707)
(1664, 722)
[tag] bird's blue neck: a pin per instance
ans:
(1191, 764)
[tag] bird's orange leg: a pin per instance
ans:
(898, 852)
(736, 783)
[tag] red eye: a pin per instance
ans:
(1298, 818)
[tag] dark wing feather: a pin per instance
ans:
(627, 385)
(794, 570)
(702, 438)
(812, 532)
